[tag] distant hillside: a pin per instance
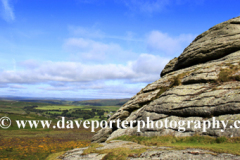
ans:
(18, 98)
(67, 101)
(102, 102)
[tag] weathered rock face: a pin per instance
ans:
(202, 83)
(218, 41)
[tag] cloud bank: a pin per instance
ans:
(145, 69)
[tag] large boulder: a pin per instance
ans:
(202, 84)
(218, 41)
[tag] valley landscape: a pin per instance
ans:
(39, 143)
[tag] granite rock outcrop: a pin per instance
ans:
(203, 83)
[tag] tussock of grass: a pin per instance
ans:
(226, 75)
(113, 154)
(54, 156)
(219, 145)
(121, 153)
(163, 89)
(175, 81)
(92, 148)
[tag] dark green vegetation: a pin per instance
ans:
(96, 102)
(219, 145)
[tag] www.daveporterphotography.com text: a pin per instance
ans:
(180, 125)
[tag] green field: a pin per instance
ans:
(56, 112)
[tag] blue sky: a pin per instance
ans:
(97, 48)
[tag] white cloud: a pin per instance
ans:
(3, 85)
(146, 5)
(7, 11)
(90, 49)
(149, 64)
(75, 79)
(12, 86)
(74, 86)
(16, 86)
(146, 68)
(84, 50)
(94, 33)
(158, 41)
(151, 6)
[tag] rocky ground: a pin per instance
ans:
(152, 153)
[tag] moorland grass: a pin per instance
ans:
(36, 147)
(219, 145)
(39, 143)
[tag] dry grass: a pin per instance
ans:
(227, 74)
(36, 148)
